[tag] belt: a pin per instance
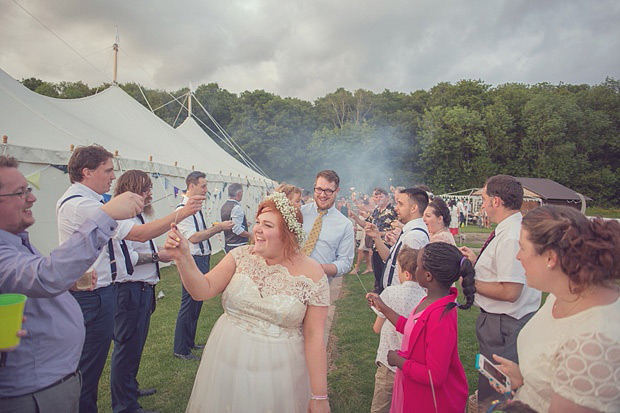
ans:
(64, 379)
(145, 285)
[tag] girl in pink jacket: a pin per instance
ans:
(430, 376)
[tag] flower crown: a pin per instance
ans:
(288, 213)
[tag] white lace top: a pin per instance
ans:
(266, 300)
(576, 357)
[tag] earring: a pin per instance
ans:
(548, 265)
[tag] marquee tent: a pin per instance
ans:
(41, 130)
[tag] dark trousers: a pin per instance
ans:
(62, 397)
(98, 308)
(187, 319)
(134, 306)
(378, 266)
(497, 334)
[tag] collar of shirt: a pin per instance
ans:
(85, 191)
(416, 222)
(507, 222)
(330, 209)
(10, 238)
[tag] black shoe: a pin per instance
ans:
(189, 356)
(147, 392)
(141, 410)
(198, 346)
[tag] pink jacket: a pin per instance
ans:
(433, 346)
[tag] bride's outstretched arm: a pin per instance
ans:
(316, 355)
(200, 286)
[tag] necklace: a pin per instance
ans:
(580, 298)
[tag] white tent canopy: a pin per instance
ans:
(41, 130)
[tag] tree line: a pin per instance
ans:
(450, 137)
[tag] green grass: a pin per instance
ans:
(473, 228)
(352, 349)
(603, 212)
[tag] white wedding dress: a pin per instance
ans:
(254, 360)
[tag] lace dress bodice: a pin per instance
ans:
(577, 357)
(266, 300)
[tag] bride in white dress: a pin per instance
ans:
(266, 353)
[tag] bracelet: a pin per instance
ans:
(319, 397)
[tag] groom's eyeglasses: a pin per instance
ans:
(328, 192)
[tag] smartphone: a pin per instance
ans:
(491, 372)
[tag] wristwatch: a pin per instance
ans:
(155, 257)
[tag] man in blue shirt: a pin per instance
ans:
(41, 374)
(334, 248)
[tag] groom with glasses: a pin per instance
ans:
(331, 240)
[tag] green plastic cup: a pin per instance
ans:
(11, 314)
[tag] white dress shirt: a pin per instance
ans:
(336, 243)
(415, 239)
(498, 263)
(144, 272)
(188, 228)
(74, 212)
(236, 216)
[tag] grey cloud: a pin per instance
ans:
(306, 49)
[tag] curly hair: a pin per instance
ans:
(446, 264)
(588, 250)
(287, 237)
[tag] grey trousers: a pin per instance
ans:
(63, 397)
(497, 334)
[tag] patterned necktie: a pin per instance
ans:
(486, 244)
(313, 237)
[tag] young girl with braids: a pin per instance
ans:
(430, 377)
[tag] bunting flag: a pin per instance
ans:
(155, 174)
(35, 179)
(166, 183)
(61, 168)
(176, 191)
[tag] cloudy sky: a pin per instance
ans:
(307, 48)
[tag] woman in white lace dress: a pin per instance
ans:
(569, 352)
(266, 353)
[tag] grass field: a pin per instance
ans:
(351, 351)
(603, 212)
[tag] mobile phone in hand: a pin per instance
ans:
(490, 371)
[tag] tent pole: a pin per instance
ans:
(189, 101)
(115, 48)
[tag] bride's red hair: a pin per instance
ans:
(286, 236)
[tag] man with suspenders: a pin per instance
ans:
(194, 228)
(91, 172)
(135, 299)
(410, 206)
